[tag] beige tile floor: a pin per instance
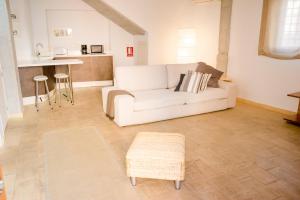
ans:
(80, 164)
(239, 154)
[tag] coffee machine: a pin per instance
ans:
(84, 49)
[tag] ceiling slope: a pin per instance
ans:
(115, 16)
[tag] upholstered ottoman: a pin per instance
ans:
(157, 156)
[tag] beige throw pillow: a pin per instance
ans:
(215, 74)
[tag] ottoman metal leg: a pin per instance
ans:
(133, 181)
(177, 185)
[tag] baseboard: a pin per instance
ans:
(16, 115)
(31, 100)
(267, 107)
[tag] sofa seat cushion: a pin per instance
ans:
(206, 95)
(154, 99)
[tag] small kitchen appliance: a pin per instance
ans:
(84, 49)
(97, 49)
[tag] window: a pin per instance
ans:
(280, 29)
(186, 46)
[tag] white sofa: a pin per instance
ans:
(155, 99)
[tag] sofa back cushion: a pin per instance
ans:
(135, 78)
(174, 71)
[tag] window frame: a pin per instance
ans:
(262, 36)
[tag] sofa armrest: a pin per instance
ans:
(232, 92)
(124, 105)
(105, 91)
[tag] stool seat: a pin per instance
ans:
(40, 78)
(61, 75)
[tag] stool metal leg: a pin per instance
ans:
(48, 94)
(37, 95)
(71, 83)
(177, 185)
(66, 89)
(55, 90)
(133, 181)
(59, 92)
(70, 96)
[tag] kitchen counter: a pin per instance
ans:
(85, 71)
(43, 66)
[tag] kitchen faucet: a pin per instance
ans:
(37, 48)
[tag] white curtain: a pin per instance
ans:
(280, 34)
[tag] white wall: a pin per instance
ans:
(141, 49)
(88, 27)
(39, 17)
(260, 79)
(3, 108)
(22, 24)
(119, 40)
(162, 19)
(8, 63)
(114, 38)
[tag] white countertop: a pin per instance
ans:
(47, 62)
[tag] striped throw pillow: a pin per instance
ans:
(203, 81)
(186, 81)
(194, 82)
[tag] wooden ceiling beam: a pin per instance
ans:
(116, 17)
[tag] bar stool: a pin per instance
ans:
(37, 79)
(62, 78)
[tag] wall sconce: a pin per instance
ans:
(186, 45)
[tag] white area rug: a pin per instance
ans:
(81, 166)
